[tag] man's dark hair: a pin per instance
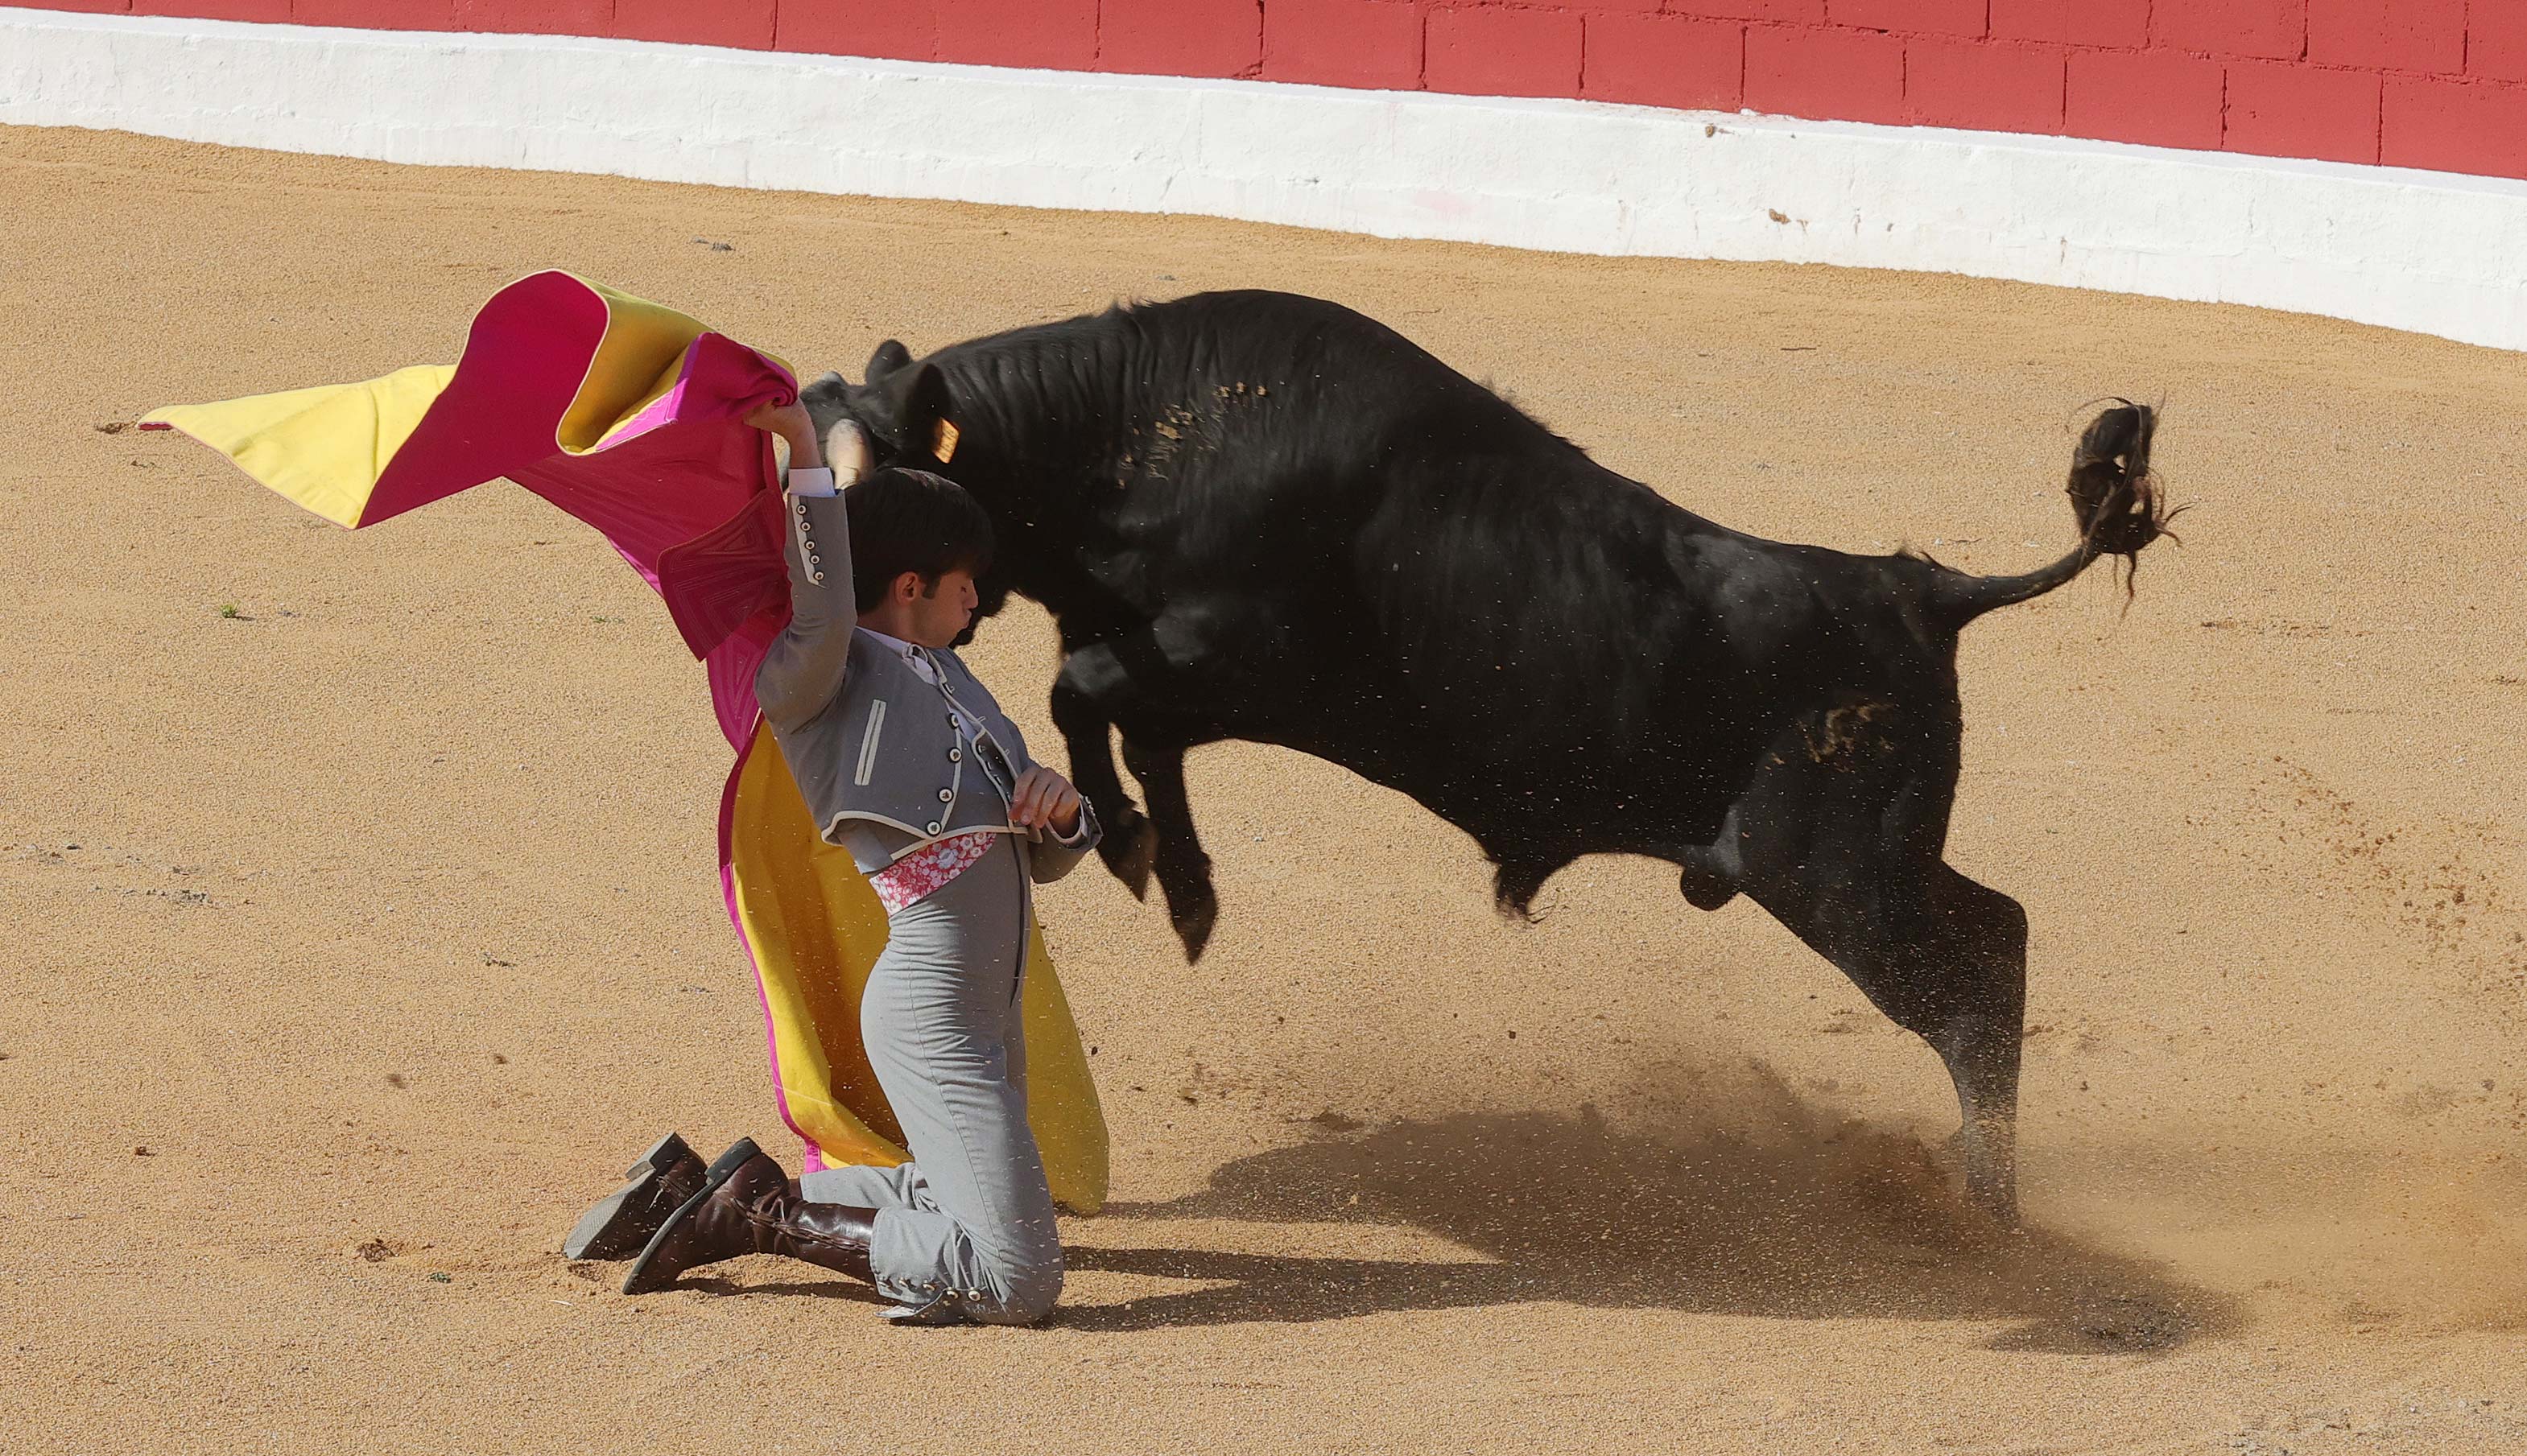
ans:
(912, 521)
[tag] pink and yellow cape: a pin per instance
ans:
(627, 415)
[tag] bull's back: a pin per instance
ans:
(1393, 534)
(1223, 442)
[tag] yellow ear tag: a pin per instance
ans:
(943, 441)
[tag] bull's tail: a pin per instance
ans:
(2113, 498)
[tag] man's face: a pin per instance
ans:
(941, 615)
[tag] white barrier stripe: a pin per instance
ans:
(2431, 252)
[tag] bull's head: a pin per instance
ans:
(900, 412)
(899, 417)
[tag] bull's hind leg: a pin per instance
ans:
(1945, 958)
(1855, 873)
(1183, 866)
(1976, 950)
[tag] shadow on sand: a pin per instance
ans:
(1805, 1219)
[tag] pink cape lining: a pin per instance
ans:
(683, 488)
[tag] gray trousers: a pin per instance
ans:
(965, 1229)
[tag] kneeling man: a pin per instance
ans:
(906, 762)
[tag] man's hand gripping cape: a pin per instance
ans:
(628, 416)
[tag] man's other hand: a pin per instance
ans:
(1045, 800)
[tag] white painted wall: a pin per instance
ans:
(2431, 252)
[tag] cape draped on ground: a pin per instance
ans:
(629, 416)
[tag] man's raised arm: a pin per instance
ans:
(804, 670)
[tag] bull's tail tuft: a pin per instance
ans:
(2115, 500)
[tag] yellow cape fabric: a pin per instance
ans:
(815, 929)
(636, 363)
(322, 447)
(326, 447)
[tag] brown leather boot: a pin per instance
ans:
(747, 1205)
(662, 1179)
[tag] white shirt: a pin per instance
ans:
(914, 657)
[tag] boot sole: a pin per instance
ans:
(722, 1169)
(618, 1224)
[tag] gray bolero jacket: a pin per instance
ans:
(879, 752)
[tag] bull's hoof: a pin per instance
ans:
(1990, 1191)
(1194, 924)
(1999, 1206)
(1131, 850)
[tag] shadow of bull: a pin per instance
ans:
(1802, 1218)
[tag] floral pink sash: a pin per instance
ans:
(926, 870)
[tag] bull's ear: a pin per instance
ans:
(890, 357)
(924, 416)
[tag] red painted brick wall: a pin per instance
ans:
(2432, 83)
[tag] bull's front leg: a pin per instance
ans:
(1184, 867)
(1162, 685)
(1090, 677)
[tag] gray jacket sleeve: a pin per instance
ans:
(804, 670)
(1049, 859)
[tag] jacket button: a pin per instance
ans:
(955, 755)
(955, 722)
(933, 828)
(818, 577)
(946, 796)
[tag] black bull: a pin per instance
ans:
(1265, 517)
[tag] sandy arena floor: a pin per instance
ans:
(356, 941)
